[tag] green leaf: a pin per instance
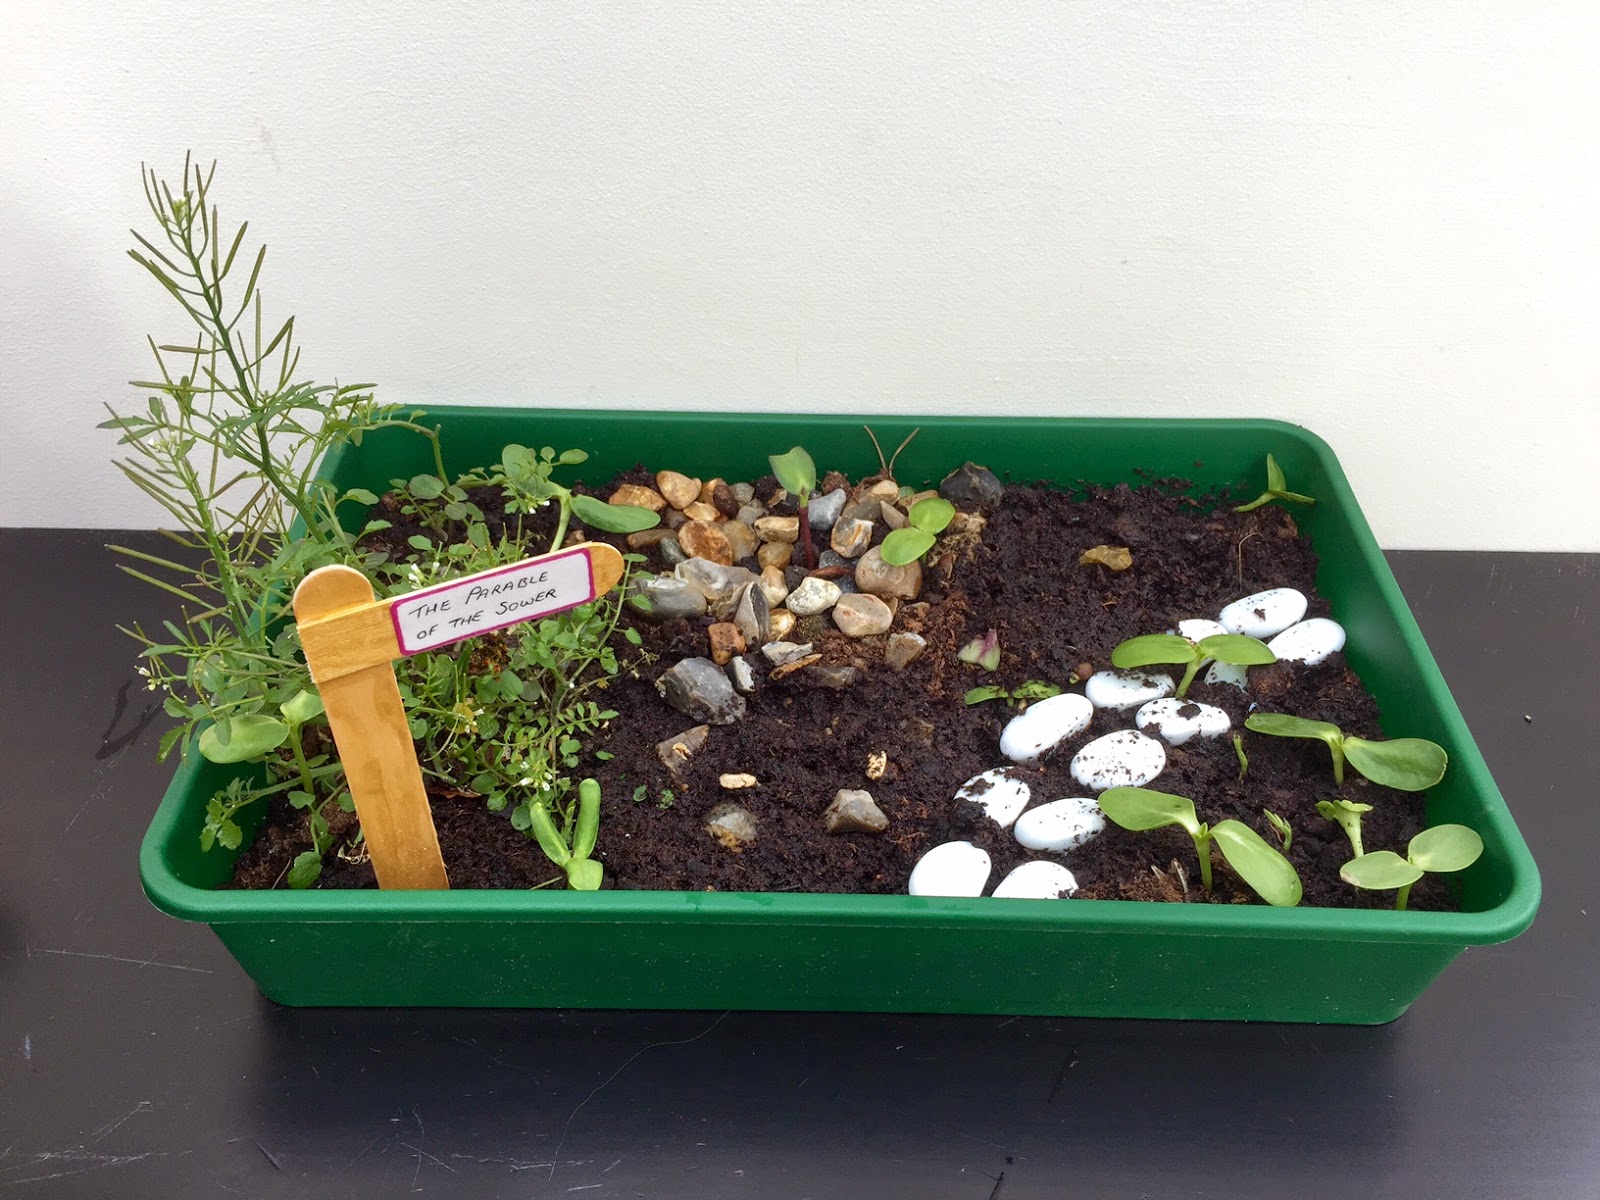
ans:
(1035, 689)
(426, 487)
(550, 841)
(1237, 649)
(1151, 649)
(795, 471)
(588, 819)
(631, 635)
(229, 834)
(1409, 764)
(239, 739)
(1445, 848)
(418, 542)
(301, 707)
(613, 518)
(903, 546)
(1283, 725)
(584, 875)
(1139, 809)
(1275, 479)
(932, 514)
(305, 870)
(375, 527)
(571, 458)
(1380, 871)
(301, 799)
(1269, 874)
(361, 496)
(511, 686)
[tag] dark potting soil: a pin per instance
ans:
(1055, 617)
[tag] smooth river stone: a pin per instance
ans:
(1265, 613)
(1200, 628)
(1122, 690)
(1121, 759)
(1037, 881)
(951, 869)
(1002, 796)
(1309, 642)
(1045, 725)
(1060, 825)
(1165, 718)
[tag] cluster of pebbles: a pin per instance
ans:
(1124, 758)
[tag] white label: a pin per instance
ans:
(463, 608)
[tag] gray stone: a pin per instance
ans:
(675, 752)
(718, 584)
(878, 578)
(698, 687)
(832, 558)
(893, 517)
(813, 596)
(862, 510)
(752, 615)
(824, 510)
(749, 514)
(731, 826)
(854, 811)
(744, 679)
(743, 493)
(862, 615)
(837, 678)
(779, 653)
(663, 597)
(902, 648)
(972, 486)
(851, 537)
(672, 551)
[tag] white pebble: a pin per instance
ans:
(1309, 642)
(1264, 613)
(1037, 881)
(1174, 728)
(1002, 796)
(1121, 759)
(1122, 690)
(1200, 628)
(1060, 825)
(1221, 672)
(1045, 725)
(951, 869)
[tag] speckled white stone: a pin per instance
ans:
(1264, 614)
(1002, 796)
(1122, 759)
(1309, 642)
(1200, 628)
(1221, 672)
(950, 869)
(1037, 881)
(1164, 719)
(1060, 825)
(1045, 725)
(1122, 690)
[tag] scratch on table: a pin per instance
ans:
(89, 1162)
(27, 1047)
(135, 962)
(107, 1130)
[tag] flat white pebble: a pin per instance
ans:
(1122, 690)
(1221, 672)
(1002, 796)
(1200, 628)
(1045, 725)
(1165, 718)
(1309, 642)
(1121, 759)
(1037, 881)
(1060, 825)
(1264, 613)
(950, 869)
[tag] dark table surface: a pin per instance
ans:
(138, 1060)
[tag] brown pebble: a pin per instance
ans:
(723, 499)
(775, 554)
(639, 497)
(704, 512)
(726, 641)
(646, 538)
(679, 490)
(702, 540)
(798, 664)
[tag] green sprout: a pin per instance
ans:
(1439, 850)
(798, 474)
(1170, 648)
(524, 475)
(1033, 689)
(583, 873)
(1277, 489)
(1406, 764)
(927, 518)
(1238, 752)
(1346, 814)
(1281, 827)
(983, 651)
(1268, 873)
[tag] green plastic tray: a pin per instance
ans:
(618, 949)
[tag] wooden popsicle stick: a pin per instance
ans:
(369, 726)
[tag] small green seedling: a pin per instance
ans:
(1281, 827)
(1269, 874)
(798, 474)
(524, 476)
(583, 873)
(928, 519)
(1170, 648)
(1277, 489)
(1346, 814)
(983, 651)
(1406, 764)
(1033, 689)
(1439, 850)
(1238, 752)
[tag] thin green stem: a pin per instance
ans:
(1338, 761)
(1188, 677)
(1202, 845)
(1401, 897)
(564, 499)
(300, 763)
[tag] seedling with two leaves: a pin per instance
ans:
(1277, 489)
(1405, 764)
(570, 849)
(1439, 850)
(796, 473)
(1269, 874)
(1171, 649)
(1033, 689)
(926, 520)
(1346, 814)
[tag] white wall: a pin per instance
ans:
(1376, 220)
